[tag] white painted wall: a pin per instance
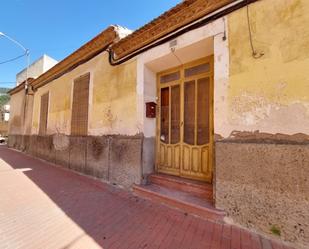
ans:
(38, 67)
(6, 116)
(192, 45)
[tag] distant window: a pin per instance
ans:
(43, 114)
(170, 77)
(6, 116)
(192, 71)
(79, 122)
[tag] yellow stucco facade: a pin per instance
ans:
(270, 94)
(259, 94)
(16, 112)
(260, 180)
(112, 101)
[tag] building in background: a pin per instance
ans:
(24, 106)
(4, 119)
(4, 111)
(38, 67)
(212, 90)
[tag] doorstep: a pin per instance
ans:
(189, 196)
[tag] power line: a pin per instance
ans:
(8, 85)
(13, 59)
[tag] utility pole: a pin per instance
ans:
(27, 54)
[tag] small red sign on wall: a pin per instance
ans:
(151, 109)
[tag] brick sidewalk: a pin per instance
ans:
(43, 206)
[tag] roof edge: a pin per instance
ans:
(93, 47)
(182, 14)
(17, 89)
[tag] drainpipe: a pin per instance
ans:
(191, 26)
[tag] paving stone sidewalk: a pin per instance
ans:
(43, 206)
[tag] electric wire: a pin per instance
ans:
(7, 83)
(237, 4)
(173, 52)
(255, 54)
(13, 59)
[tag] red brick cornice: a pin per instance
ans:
(20, 87)
(177, 17)
(17, 89)
(182, 14)
(80, 56)
(89, 50)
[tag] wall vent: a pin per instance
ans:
(173, 43)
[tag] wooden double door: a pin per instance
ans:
(185, 121)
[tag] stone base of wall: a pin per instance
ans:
(265, 187)
(116, 159)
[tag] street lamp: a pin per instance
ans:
(26, 53)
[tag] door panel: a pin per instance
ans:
(169, 157)
(189, 112)
(176, 157)
(162, 155)
(195, 160)
(197, 102)
(186, 163)
(203, 106)
(175, 114)
(169, 130)
(204, 158)
(164, 136)
(185, 136)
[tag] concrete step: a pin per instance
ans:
(196, 188)
(181, 200)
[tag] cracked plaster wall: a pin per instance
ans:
(270, 94)
(112, 99)
(262, 123)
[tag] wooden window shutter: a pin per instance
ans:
(79, 121)
(43, 114)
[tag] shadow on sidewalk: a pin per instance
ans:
(104, 212)
(114, 218)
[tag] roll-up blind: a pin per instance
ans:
(79, 122)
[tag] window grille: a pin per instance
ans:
(43, 114)
(79, 122)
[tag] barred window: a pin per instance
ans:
(79, 122)
(43, 114)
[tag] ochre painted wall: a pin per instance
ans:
(261, 179)
(16, 113)
(4, 128)
(112, 99)
(270, 94)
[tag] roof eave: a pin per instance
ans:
(95, 46)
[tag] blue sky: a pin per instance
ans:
(58, 27)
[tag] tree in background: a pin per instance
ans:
(4, 100)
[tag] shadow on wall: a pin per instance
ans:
(79, 197)
(116, 159)
(115, 218)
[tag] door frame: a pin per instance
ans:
(181, 81)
